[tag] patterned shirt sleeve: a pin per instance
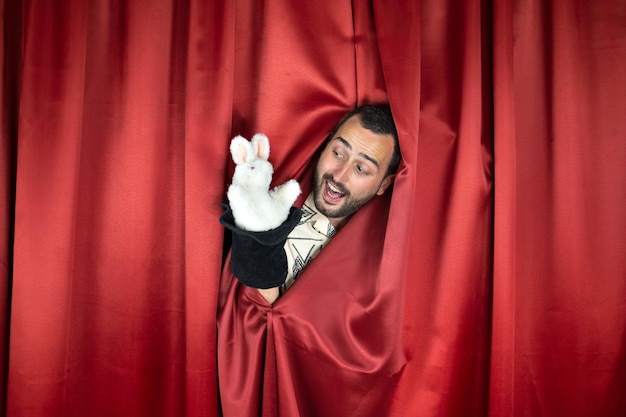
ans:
(306, 240)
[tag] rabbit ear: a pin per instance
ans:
(261, 146)
(240, 149)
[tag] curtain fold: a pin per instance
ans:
(10, 36)
(491, 282)
(559, 286)
(449, 192)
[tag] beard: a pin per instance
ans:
(349, 206)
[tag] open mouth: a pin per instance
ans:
(332, 193)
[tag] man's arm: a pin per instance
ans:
(270, 294)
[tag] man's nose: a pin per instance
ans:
(342, 173)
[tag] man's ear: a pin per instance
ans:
(387, 181)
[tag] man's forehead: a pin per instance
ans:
(363, 141)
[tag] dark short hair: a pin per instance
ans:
(378, 119)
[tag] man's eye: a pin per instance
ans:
(337, 154)
(360, 170)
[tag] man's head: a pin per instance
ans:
(359, 162)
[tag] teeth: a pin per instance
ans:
(334, 189)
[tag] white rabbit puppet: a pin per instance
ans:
(255, 207)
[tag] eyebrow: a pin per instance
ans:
(366, 156)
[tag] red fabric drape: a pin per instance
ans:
(559, 328)
(493, 282)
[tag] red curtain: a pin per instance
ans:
(493, 280)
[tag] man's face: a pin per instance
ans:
(351, 170)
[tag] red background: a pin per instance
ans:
(504, 261)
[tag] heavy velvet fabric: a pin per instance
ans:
(491, 281)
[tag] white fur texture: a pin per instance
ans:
(255, 207)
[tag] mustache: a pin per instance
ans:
(336, 184)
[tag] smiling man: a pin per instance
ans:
(282, 355)
(358, 162)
